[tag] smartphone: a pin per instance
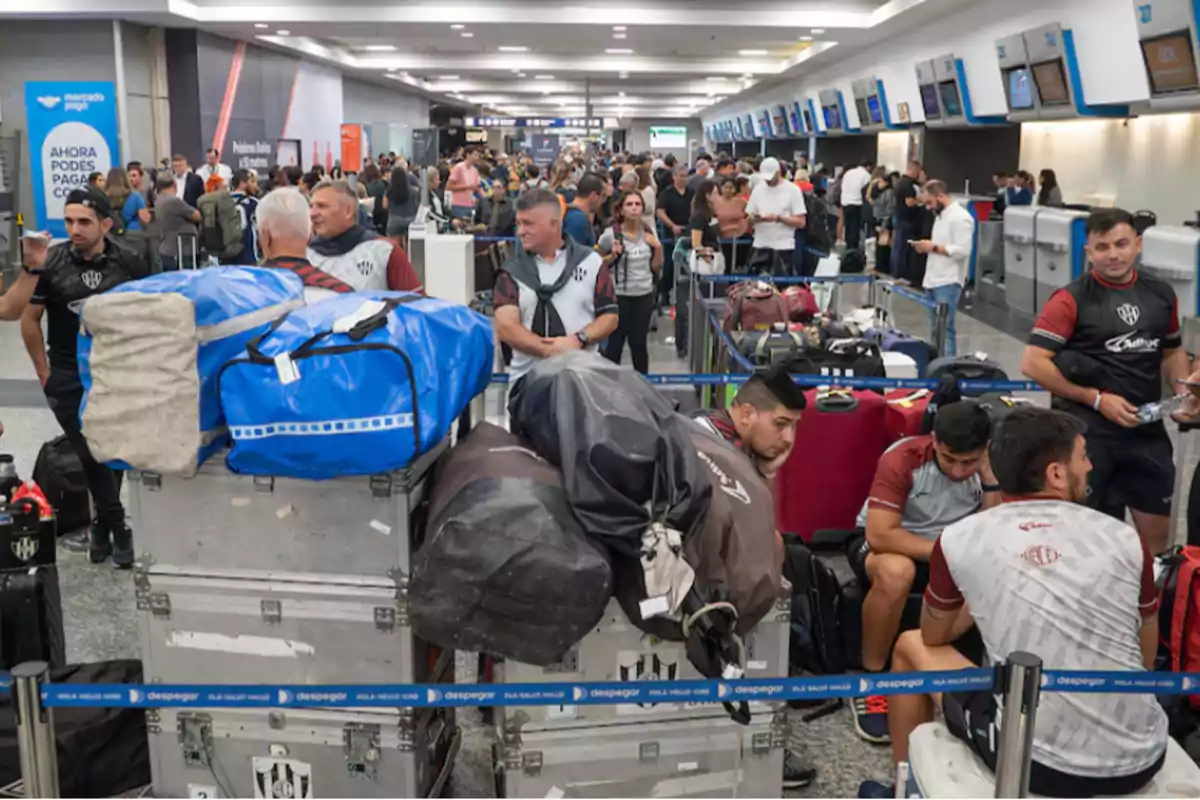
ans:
(1190, 384)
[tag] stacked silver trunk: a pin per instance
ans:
(630, 750)
(250, 580)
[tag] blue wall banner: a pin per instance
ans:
(72, 133)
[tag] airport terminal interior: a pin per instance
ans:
(964, 237)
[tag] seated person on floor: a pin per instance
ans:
(1043, 573)
(922, 485)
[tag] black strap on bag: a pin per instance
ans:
(360, 331)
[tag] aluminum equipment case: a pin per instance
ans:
(220, 520)
(617, 650)
(675, 758)
(299, 753)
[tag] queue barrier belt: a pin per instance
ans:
(553, 694)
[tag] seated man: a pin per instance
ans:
(923, 484)
(1045, 574)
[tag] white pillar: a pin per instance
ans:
(122, 93)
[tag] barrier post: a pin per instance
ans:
(941, 328)
(1022, 679)
(695, 334)
(35, 731)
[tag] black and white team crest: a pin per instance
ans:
(1129, 314)
(282, 779)
(25, 547)
(365, 267)
(92, 279)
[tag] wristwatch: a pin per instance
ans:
(990, 487)
(582, 337)
(33, 272)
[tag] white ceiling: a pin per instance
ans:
(684, 54)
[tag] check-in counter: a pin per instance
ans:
(1060, 237)
(1020, 267)
(1172, 253)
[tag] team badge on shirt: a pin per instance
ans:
(91, 279)
(1129, 314)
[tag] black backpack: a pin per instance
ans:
(853, 262)
(59, 474)
(816, 645)
(817, 229)
(946, 393)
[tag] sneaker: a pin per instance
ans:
(122, 547)
(76, 542)
(99, 546)
(876, 789)
(796, 774)
(870, 719)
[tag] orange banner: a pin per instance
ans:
(352, 147)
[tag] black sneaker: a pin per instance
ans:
(99, 544)
(871, 720)
(77, 542)
(122, 547)
(876, 790)
(796, 774)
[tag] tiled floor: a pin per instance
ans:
(100, 613)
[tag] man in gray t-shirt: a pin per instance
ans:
(177, 223)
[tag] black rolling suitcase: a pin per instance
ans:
(31, 623)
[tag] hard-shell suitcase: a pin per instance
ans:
(204, 626)
(905, 410)
(31, 620)
(825, 482)
(893, 341)
(616, 650)
(301, 753)
(672, 758)
(222, 521)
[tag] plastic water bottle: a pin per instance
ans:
(1153, 412)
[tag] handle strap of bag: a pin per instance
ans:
(360, 331)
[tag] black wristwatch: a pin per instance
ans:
(990, 487)
(582, 337)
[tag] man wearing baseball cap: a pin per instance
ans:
(89, 263)
(776, 208)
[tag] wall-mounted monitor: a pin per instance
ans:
(929, 101)
(1171, 63)
(833, 118)
(668, 138)
(748, 127)
(1051, 83)
(875, 111)
(795, 121)
(765, 129)
(779, 122)
(1019, 86)
(737, 128)
(860, 103)
(948, 92)
(809, 125)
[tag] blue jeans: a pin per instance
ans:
(948, 295)
(463, 212)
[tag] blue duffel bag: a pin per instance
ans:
(360, 384)
(149, 354)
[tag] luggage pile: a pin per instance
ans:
(577, 552)
(288, 561)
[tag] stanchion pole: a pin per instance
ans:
(1022, 674)
(35, 731)
(942, 327)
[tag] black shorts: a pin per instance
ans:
(971, 717)
(1131, 471)
(857, 553)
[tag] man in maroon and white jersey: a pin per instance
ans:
(283, 234)
(1045, 574)
(1102, 346)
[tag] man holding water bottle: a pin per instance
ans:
(1102, 347)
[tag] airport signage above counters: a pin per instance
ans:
(1167, 31)
(541, 122)
(946, 96)
(1042, 79)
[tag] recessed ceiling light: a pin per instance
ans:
(620, 94)
(512, 49)
(261, 25)
(457, 27)
(623, 75)
(747, 75)
(619, 28)
(283, 33)
(619, 36)
(716, 78)
(380, 48)
(545, 91)
(543, 77)
(520, 74)
(467, 35)
(806, 38)
(448, 78)
(752, 52)
(818, 31)
(619, 51)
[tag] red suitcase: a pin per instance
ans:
(905, 410)
(839, 440)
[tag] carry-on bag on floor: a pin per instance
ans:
(359, 384)
(1000, 405)
(905, 410)
(102, 752)
(1179, 614)
(777, 347)
(59, 474)
(31, 621)
(756, 305)
(825, 482)
(192, 262)
(893, 341)
(505, 567)
(976, 367)
(851, 358)
(157, 407)
(817, 642)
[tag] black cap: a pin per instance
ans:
(91, 197)
(779, 381)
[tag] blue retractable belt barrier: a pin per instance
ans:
(783, 281)
(494, 239)
(910, 294)
(553, 694)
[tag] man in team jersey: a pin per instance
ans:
(1102, 347)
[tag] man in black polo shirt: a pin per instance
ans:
(1102, 346)
(90, 263)
(906, 222)
(675, 213)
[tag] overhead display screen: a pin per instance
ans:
(1051, 83)
(779, 122)
(833, 118)
(876, 112)
(948, 91)
(860, 103)
(808, 120)
(668, 138)
(929, 100)
(1171, 63)
(1020, 89)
